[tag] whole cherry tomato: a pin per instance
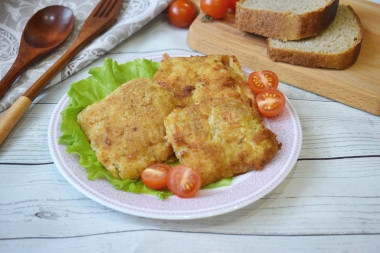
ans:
(215, 8)
(182, 13)
(232, 4)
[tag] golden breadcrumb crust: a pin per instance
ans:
(193, 79)
(126, 128)
(220, 137)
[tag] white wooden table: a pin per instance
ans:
(330, 201)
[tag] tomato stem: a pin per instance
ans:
(206, 18)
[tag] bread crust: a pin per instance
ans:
(284, 26)
(342, 60)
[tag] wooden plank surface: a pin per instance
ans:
(357, 86)
(330, 202)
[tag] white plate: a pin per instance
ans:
(244, 190)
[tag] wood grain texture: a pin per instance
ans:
(329, 129)
(10, 118)
(143, 241)
(358, 86)
(317, 198)
(330, 202)
(96, 23)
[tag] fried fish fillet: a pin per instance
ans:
(193, 79)
(220, 137)
(126, 128)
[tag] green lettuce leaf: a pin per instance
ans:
(102, 81)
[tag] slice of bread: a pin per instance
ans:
(337, 47)
(286, 19)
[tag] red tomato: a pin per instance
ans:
(262, 80)
(215, 8)
(155, 176)
(232, 4)
(184, 181)
(270, 102)
(182, 13)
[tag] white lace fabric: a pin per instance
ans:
(15, 14)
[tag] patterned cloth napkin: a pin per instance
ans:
(14, 14)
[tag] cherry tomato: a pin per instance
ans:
(270, 102)
(232, 4)
(182, 13)
(155, 176)
(262, 80)
(215, 8)
(184, 181)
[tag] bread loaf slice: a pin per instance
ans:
(337, 47)
(285, 19)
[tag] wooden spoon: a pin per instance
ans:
(45, 31)
(100, 18)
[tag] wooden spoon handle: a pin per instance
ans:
(100, 18)
(40, 84)
(15, 112)
(18, 66)
(12, 116)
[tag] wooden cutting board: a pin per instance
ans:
(357, 86)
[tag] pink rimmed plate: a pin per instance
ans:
(244, 190)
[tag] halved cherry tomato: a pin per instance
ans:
(262, 80)
(184, 181)
(182, 13)
(215, 8)
(232, 4)
(270, 102)
(155, 176)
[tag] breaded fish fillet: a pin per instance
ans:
(126, 128)
(192, 79)
(220, 137)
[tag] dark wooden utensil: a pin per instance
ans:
(45, 31)
(100, 18)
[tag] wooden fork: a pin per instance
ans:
(100, 18)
